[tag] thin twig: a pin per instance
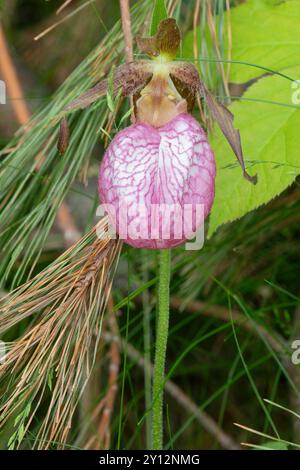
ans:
(229, 38)
(65, 18)
(196, 56)
(171, 7)
(212, 28)
(63, 6)
(195, 24)
(13, 85)
(126, 25)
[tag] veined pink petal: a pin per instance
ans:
(154, 182)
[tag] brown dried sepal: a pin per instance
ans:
(165, 42)
(187, 75)
(129, 78)
(185, 83)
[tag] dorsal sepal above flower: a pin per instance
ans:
(164, 44)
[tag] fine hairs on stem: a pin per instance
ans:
(161, 347)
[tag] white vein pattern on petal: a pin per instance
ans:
(170, 165)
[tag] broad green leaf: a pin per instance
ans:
(271, 143)
(265, 33)
(159, 14)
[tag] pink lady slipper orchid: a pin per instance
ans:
(157, 177)
(150, 177)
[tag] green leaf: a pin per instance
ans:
(271, 142)
(159, 14)
(273, 43)
(264, 33)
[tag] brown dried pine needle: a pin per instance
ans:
(66, 302)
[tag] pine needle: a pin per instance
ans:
(65, 303)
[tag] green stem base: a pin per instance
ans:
(161, 348)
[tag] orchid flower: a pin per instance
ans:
(162, 164)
